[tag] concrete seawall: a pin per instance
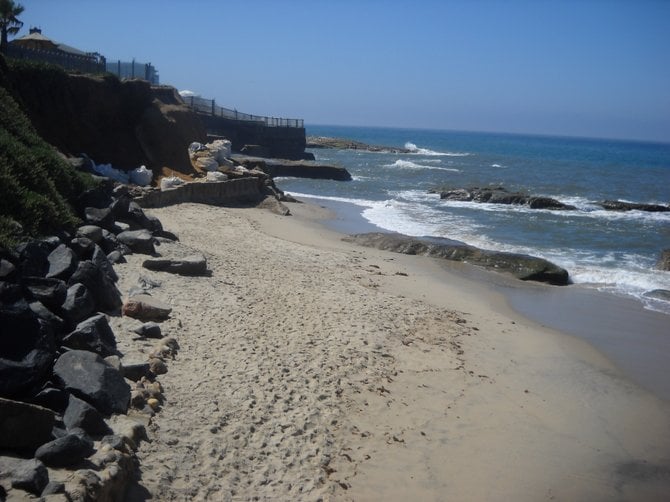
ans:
(221, 193)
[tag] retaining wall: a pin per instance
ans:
(220, 193)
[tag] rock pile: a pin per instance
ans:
(71, 412)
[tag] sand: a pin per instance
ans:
(314, 369)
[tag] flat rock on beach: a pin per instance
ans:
(313, 369)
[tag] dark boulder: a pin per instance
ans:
(116, 257)
(89, 377)
(93, 334)
(110, 243)
(51, 292)
(139, 241)
(99, 217)
(24, 426)
(100, 260)
(79, 303)
(79, 414)
(10, 292)
(618, 205)
(48, 316)
(193, 265)
(524, 267)
(65, 451)
(7, 270)
(62, 262)
(33, 258)
(105, 293)
(91, 232)
(27, 348)
(135, 372)
(52, 398)
(149, 330)
(31, 476)
(82, 247)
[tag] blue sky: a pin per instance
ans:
(576, 68)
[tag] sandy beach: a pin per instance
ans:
(313, 369)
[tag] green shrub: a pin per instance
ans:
(37, 187)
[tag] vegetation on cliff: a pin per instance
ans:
(37, 187)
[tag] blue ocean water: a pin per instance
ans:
(613, 251)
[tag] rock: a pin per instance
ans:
(87, 376)
(135, 372)
(27, 348)
(48, 316)
(51, 292)
(139, 241)
(524, 267)
(157, 366)
(33, 258)
(146, 308)
(93, 334)
(116, 257)
(295, 168)
(105, 293)
(664, 260)
(149, 330)
(51, 398)
(10, 293)
(99, 217)
(100, 260)
(65, 451)
(110, 243)
(138, 219)
(91, 232)
(7, 270)
(79, 303)
(24, 426)
(82, 247)
(193, 265)
(53, 488)
(31, 476)
(499, 195)
(618, 205)
(119, 206)
(80, 414)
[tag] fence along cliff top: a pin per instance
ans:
(209, 107)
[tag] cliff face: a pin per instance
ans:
(125, 124)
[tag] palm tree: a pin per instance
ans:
(9, 22)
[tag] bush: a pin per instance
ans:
(37, 187)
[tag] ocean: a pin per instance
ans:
(605, 250)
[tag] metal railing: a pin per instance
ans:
(209, 107)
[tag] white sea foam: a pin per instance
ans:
(496, 165)
(408, 164)
(425, 151)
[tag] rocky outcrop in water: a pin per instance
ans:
(348, 144)
(295, 168)
(524, 267)
(499, 195)
(618, 205)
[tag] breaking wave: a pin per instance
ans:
(425, 151)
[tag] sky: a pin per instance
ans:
(593, 68)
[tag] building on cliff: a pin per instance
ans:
(36, 46)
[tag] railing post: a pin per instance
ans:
(213, 108)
